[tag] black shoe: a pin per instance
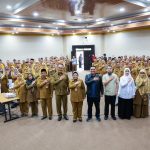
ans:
(114, 118)
(88, 119)
(50, 117)
(74, 120)
(66, 117)
(106, 118)
(44, 117)
(80, 119)
(22, 115)
(98, 119)
(59, 118)
(14, 104)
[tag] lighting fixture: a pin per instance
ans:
(122, 9)
(9, 7)
(35, 14)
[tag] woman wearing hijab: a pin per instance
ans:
(77, 96)
(126, 94)
(31, 94)
(21, 93)
(140, 104)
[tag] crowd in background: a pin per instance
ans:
(123, 77)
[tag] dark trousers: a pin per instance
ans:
(2, 109)
(110, 100)
(80, 64)
(125, 108)
(96, 102)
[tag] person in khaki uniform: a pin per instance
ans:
(31, 94)
(141, 101)
(21, 93)
(77, 96)
(96, 64)
(3, 79)
(46, 93)
(61, 84)
(118, 70)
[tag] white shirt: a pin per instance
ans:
(126, 89)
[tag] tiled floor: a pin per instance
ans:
(34, 134)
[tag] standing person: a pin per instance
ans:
(105, 57)
(77, 96)
(74, 64)
(110, 82)
(80, 61)
(141, 101)
(94, 92)
(61, 86)
(126, 94)
(21, 93)
(93, 57)
(31, 94)
(46, 94)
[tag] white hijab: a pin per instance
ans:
(124, 81)
(125, 78)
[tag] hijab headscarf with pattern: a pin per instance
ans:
(143, 83)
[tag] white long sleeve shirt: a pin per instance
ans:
(126, 89)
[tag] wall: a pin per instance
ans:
(22, 47)
(121, 43)
(96, 40)
(127, 43)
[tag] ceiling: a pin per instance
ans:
(63, 17)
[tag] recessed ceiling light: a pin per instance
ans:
(79, 19)
(129, 21)
(77, 12)
(39, 26)
(122, 9)
(17, 16)
(99, 19)
(146, 9)
(9, 7)
(22, 25)
(35, 14)
(63, 21)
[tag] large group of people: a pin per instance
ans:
(123, 79)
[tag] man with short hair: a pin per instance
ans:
(110, 82)
(94, 92)
(61, 85)
(46, 92)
